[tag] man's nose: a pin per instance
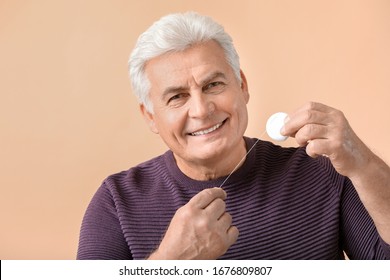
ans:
(201, 106)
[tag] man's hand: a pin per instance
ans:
(325, 131)
(201, 229)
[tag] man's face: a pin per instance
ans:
(199, 106)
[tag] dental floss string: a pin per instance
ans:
(273, 127)
(244, 157)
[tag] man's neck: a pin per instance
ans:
(211, 169)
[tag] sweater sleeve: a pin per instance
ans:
(360, 238)
(101, 236)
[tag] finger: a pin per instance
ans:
(316, 106)
(231, 231)
(318, 147)
(225, 221)
(299, 119)
(216, 208)
(205, 197)
(232, 235)
(311, 132)
(311, 113)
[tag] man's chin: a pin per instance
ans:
(206, 156)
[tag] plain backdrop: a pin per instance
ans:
(68, 118)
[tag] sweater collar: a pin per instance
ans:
(237, 176)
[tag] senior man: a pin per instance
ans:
(329, 196)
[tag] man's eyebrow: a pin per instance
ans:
(205, 81)
(212, 76)
(170, 90)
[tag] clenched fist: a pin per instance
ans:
(201, 229)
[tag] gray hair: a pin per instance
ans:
(175, 33)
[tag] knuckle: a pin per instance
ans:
(207, 192)
(229, 218)
(311, 105)
(220, 203)
(226, 219)
(212, 192)
(203, 225)
(308, 115)
(301, 137)
(338, 117)
(310, 130)
(185, 212)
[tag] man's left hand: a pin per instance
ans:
(326, 132)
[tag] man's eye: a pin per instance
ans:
(213, 86)
(176, 97)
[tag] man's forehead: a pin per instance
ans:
(196, 64)
(196, 77)
(179, 75)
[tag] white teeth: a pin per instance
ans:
(203, 132)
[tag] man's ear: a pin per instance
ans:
(149, 118)
(244, 86)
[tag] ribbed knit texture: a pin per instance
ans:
(285, 204)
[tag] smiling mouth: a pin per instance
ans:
(209, 130)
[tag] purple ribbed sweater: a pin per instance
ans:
(285, 204)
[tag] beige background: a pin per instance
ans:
(68, 118)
